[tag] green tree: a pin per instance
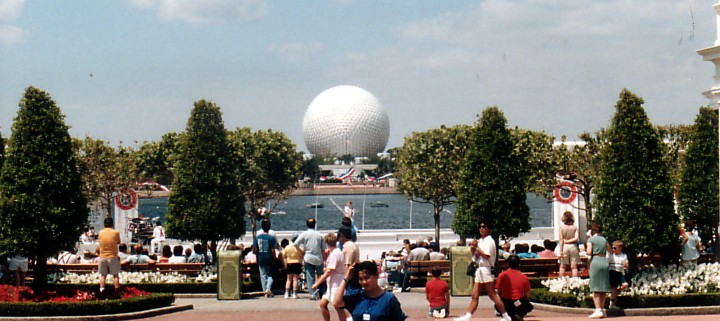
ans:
(268, 164)
(43, 208)
(536, 151)
(676, 139)
(425, 164)
(156, 159)
(634, 191)
(311, 168)
(698, 193)
(104, 170)
(2, 150)
(492, 183)
(206, 202)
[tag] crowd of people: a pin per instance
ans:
(329, 269)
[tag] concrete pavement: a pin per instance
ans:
(413, 303)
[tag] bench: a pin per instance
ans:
(544, 267)
(189, 269)
(421, 270)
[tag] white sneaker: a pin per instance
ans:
(294, 296)
(507, 318)
(596, 315)
(465, 317)
(287, 295)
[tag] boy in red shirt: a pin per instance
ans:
(437, 293)
(514, 289)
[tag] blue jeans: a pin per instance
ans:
(266, 278)
(311, 271)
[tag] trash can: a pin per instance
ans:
(229, 275)
(460, 283)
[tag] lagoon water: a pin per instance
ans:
(399, 214)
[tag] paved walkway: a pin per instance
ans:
(414, 305)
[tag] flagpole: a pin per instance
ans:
(411, 204)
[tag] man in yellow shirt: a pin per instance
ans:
(109, 262)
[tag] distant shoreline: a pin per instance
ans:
(321, 189)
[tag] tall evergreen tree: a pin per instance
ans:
(492, 183)
(634, 192)
(206, 203)
(43, 208)
(2, 150)
(698, 192)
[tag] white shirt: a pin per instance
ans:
(617, 262)
(349, 212)
(159, 233)
(487, 245)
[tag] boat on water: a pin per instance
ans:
(277, 213)
(379, 204)
(315, 205)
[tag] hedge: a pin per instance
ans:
(648, 301)
(139, 303)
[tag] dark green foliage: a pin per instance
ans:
(543, 295)
(206, 203)
(43, 207)
(311, 168)
(634, 193)
(698, 192)
(139, 303)
(2, 150)
(492, 182)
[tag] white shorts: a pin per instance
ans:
(14, 264)
(483, 274)
(330, 293)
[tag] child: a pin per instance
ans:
(437, 293)
(618, 264)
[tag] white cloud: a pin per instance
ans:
(207, 11)
(12, 35)
(296, 51)
(10, 9)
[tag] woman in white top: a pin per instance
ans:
(691, 243)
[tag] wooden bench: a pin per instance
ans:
(543, 267)
(422, 270)
(189, 269)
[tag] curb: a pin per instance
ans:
(106, 317)
(633, 312)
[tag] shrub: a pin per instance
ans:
(139, 303)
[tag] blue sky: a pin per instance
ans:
(126, 71)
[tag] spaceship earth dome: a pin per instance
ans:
(345, 120)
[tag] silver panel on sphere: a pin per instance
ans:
(346, 120)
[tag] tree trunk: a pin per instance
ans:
(437, 210)
(40, 273)
(213, 250)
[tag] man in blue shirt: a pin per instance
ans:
(264, 248)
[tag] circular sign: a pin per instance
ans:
(126, 199)
(565, 192)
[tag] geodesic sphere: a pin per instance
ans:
(345, 120)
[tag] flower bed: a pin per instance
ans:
(670, 286)
(23, 301)
(207, 275)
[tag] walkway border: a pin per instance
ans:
(715, 309)
(108, 317)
